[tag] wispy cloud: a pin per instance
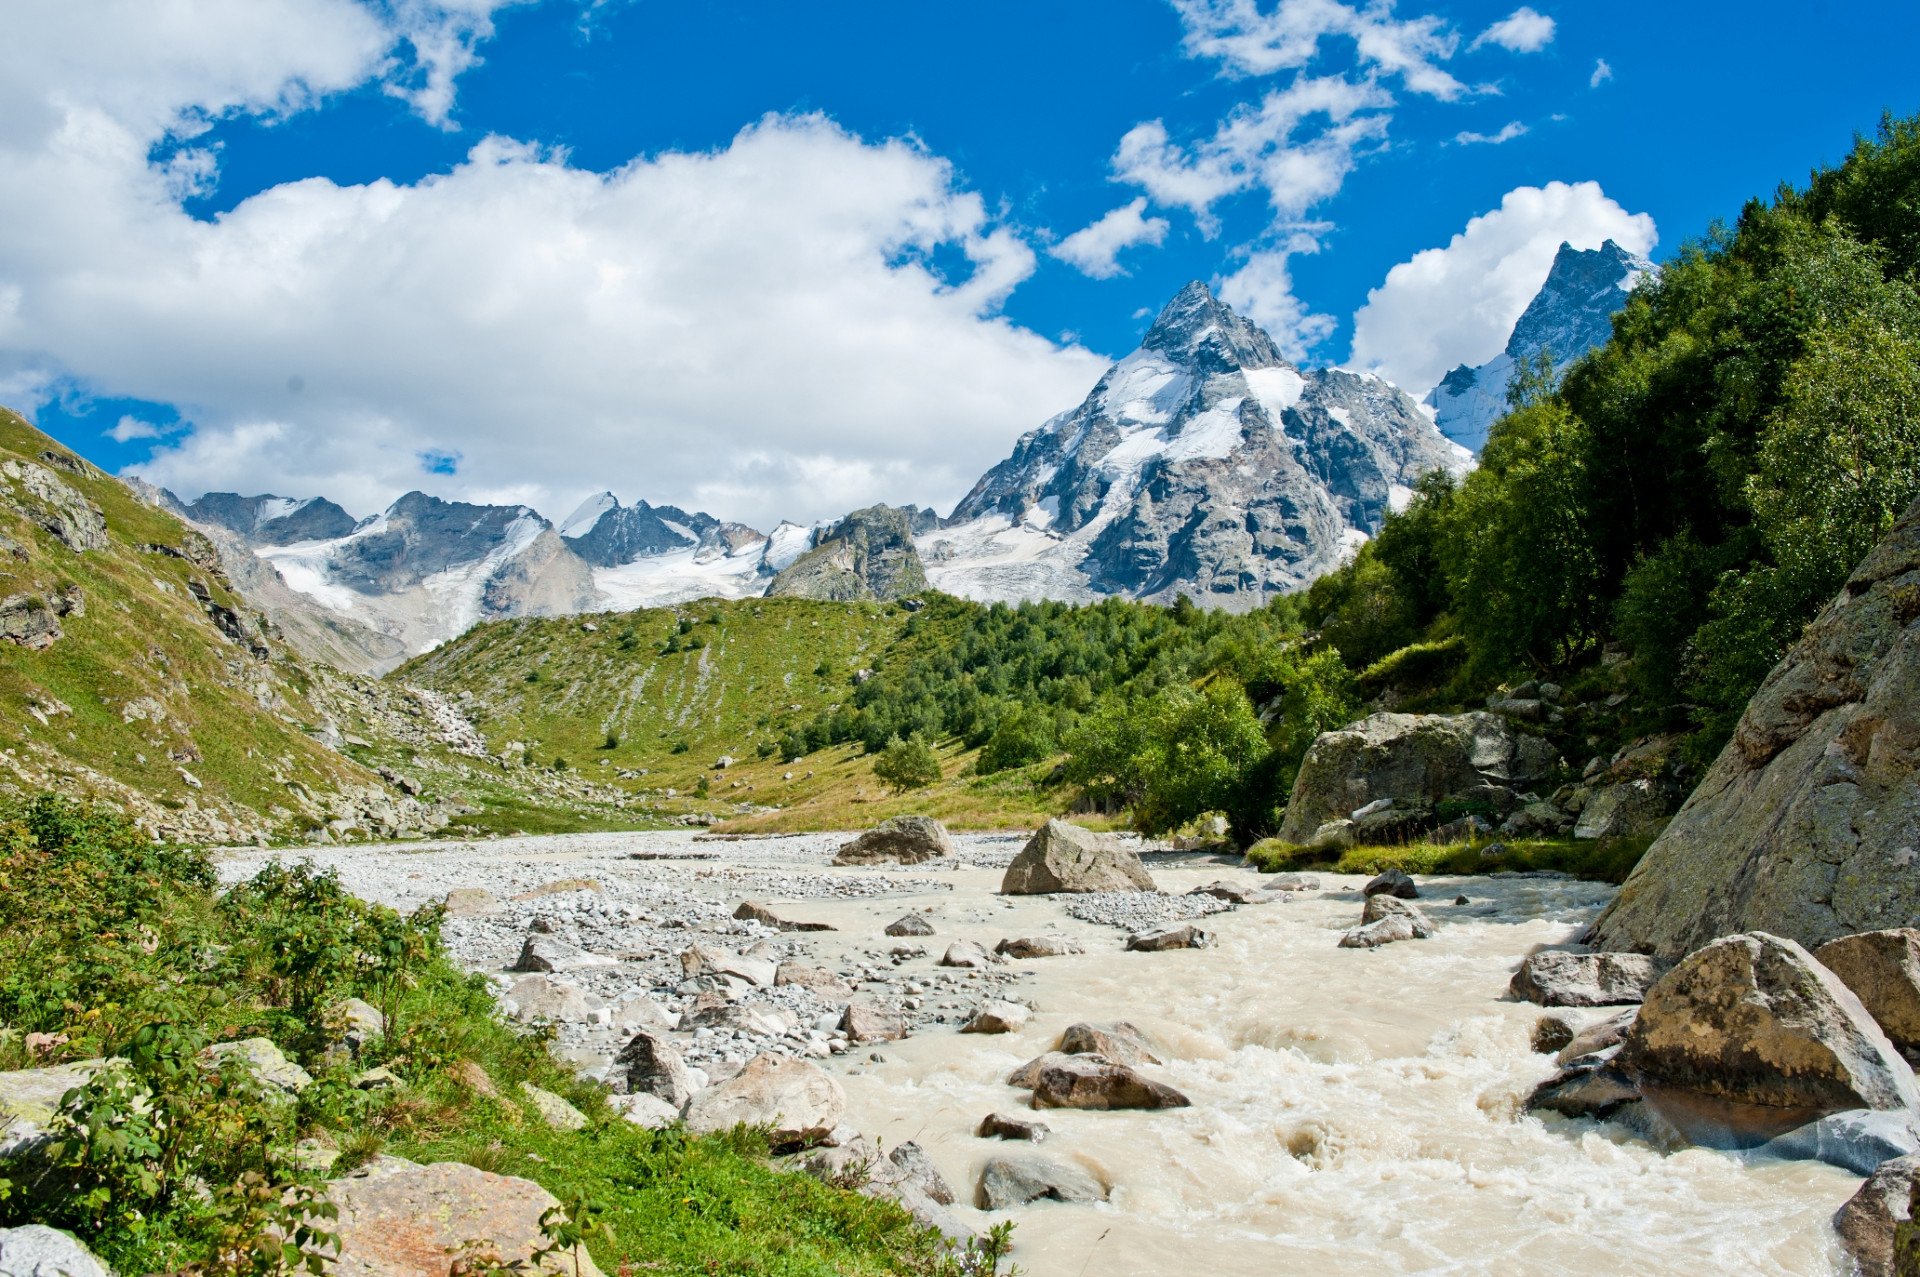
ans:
(1506, 134)
(1522, 31)
(1602, 72)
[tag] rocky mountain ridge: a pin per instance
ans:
(1570, 315)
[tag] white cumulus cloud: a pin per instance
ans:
(1523, 31)
(1095, 248)
(1458, 304)
(1262, 290)
(1250, 41)
(760, 329)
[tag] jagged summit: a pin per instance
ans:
(1570, 315)
(1202, 463)
(1198, 330)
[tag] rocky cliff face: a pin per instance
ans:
(1203, 463)
(269, 520)
(1570, 315)
(1808, 824)
(867, 555)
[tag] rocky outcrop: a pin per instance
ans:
(1883, 970)
(1754, 1020)
(1066, 858)
(33, 620)
(46, 499)
(1412, 761)
(397, 1219)
(267, 519)
(1807, 824)
(1557, 978)
(901, 840)
(867, 555)
(1866, 1223)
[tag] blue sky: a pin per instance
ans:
(287, 266)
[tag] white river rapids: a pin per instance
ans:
(1354, 1111)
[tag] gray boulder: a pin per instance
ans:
(1625, 809)
(1556, 978)
(754, 911)
(1171, 936)
(29, 1098)
(998, 1017)
(998, 1126)
(1394, 882)
(799, 1103)
(1115, 1040)
(650, 1065)
(901, 840)
(1006, 1182)
(1883, 970)
(550, 954)
(34, 1250)
(1089, 1082)
(1804, 827)
(1066, 858)
(396, 1217)
(966, 954)
(543, 997)
(1414, 759)
(910, 925)
(1858, 1140)
(1038, 947)
(863, 1024)
(259, 1057)
(1755, 1020)
(1388, 930)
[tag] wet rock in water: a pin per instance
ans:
(1006, 1182)
(1038, 947)
(647, 1111)
(1414, 759)
(998, 1126)
(901, 840)
(1290, 882)
(1555, 978)
(550, 954)
(649, 1064)
(864, 1024)
(397, 1219)
(553, 1110)
(1594, 1088)
(800, 1103)
(1859, 1140)
(1384, 906)
(1883, 970)
(753, 910)
(1393, 882)
(472, 902)
(1598, 1036)
(34, 1250)
(819, 979)
(1066, 858)
(1866, 1223)
(905, 1175)
(1240, 893)
(998, 1017)
(1388, 930)
(706, 960)
(265, 1061)
(1461, 900)
(1753, 1019)
(1027, 1076)
(1550, 1034)
(1804, 825)
(966, 954)
(911, 925)
(1086, 1082)
(542, 997)
(917, 1169)
(1157, 939)
(1115, 1040)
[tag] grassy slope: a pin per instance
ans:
(763, 667)
(144, 636)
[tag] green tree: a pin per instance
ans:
(907, 763)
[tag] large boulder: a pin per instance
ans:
(1066, 858)
(1114, 1039)
(401, 1220)
(1867, 1221)
(1015, 1181)
(1089, 1082)
(1883, 970)
(901, 840)
(799, 1103)
(649, 1064)
(1625, 809)
(1754, 1020)
(552, 955)
(34, 1250)
(1556, 978)
(266, 1063)
(1805, 826)
(1414, 759)
(29, 1098)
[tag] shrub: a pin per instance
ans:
(908, 763)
